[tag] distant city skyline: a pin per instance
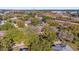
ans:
(40, 8)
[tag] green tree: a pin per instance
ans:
(1, 45)
(1, 17)
(6, 26)
(6, 44)
(20, 23)
(46, 18)
(52, 23)
(5, 17)
(39, 42)
(35, 21)
(16, 35)
(31, 36)
(24, 17)
(41, 45)
(49, 34)
(13, 36)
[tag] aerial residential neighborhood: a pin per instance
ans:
(39, 30)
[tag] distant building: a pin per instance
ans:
(1, 14)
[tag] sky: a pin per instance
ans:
(41, 8)
(39, 3)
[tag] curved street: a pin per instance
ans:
(59, 48)
(67, 22)
(67, 48)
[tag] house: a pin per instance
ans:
(27, 22)
(65, 36)
(39, 29)
(76, 18)
(54, 28)
(14, 18)
(2, 34)
(38, 17)
(21, 47)
(57, 42)
(15, 25)
(2, 22)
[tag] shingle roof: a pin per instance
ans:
(2, 33)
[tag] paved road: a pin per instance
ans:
(59, 48)
(67, 48)
(67, 22)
